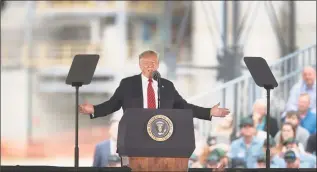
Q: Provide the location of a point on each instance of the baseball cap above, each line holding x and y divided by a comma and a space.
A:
216, 155
290, 156
289, 141
246, 121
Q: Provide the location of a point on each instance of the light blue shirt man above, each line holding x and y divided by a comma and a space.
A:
249, 153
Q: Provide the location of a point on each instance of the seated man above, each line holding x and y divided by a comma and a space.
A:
216, 158
106, 148
248, 147
307, 116
292, 160
309, 159
306, 85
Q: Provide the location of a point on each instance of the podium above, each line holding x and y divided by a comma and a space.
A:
156, 139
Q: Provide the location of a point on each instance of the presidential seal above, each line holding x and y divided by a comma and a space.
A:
160, 128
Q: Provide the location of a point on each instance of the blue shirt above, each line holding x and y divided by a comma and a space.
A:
294, 94
261, 126
277, 162
309, 160
305, 165
309, 122
250, 154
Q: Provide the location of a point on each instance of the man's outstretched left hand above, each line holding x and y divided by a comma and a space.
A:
216, 111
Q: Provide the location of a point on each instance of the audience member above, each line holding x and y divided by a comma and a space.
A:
287, 131
311, 144
308, 118
248, 147
105, 149
217, 157
304, 157
306, 85
259, 117
292, 160
301, 134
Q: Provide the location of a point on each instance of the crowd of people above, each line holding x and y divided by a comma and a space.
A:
291, 145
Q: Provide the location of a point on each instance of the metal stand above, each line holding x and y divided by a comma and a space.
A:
268, 89
76, 85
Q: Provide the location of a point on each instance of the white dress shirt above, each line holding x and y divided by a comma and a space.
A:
145, 82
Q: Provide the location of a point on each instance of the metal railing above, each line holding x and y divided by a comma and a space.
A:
239, 94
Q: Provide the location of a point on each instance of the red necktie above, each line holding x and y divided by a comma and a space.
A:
150, 96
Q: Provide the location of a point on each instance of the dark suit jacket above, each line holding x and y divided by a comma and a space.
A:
129, 95
102, 151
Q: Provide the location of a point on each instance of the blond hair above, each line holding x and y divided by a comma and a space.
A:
147, 53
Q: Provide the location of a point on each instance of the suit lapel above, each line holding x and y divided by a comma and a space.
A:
139, 91
163, 94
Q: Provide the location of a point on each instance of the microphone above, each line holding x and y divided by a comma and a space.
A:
157, 77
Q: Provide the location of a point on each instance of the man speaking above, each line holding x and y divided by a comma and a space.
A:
141, 91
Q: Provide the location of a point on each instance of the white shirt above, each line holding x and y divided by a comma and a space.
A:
145, 82
113, 147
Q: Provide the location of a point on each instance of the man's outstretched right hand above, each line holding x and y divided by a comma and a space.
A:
86, 108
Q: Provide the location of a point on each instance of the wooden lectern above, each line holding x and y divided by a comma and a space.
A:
156, 140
